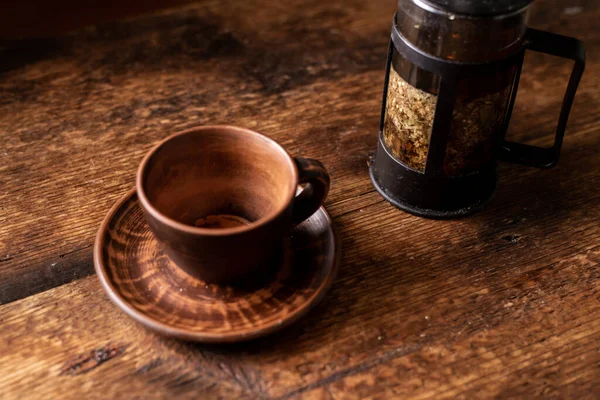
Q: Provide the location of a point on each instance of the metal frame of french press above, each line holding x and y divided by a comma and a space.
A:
434, 195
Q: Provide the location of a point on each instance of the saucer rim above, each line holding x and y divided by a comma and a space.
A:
198, 336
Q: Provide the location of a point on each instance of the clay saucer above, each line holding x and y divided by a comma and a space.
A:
150, 288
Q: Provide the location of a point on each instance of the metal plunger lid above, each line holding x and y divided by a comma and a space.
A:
460, 30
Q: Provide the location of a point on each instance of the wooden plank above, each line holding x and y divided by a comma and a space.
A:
64, 162
389, 326
56, 351
502, 304
61, 174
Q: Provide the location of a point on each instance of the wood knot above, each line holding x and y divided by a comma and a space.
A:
512, 238
83, 363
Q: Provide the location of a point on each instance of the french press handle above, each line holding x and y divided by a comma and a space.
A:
560, 46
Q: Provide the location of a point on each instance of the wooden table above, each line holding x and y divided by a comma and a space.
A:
505, 303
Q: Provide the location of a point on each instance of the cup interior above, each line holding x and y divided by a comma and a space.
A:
218, 177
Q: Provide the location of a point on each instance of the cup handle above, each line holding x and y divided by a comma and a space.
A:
312, 197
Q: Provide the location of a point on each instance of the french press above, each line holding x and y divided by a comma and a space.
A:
451, 80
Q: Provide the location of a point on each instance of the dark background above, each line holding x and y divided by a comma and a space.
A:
34, 18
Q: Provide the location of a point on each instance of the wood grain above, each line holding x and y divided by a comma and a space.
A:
78, 173
503, 304
62, 328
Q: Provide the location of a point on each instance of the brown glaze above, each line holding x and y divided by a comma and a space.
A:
148, 286
196, 175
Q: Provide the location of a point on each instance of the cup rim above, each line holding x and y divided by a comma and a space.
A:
174, 224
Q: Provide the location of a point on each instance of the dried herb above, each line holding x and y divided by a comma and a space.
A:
475, 122
409, 118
